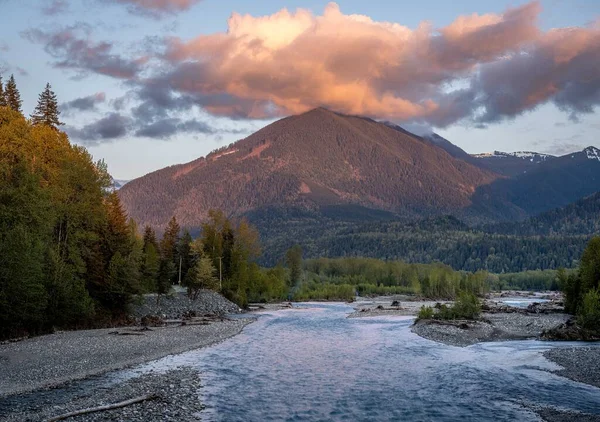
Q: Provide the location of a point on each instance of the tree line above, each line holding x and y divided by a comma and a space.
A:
343, 278
69, 255
441, 239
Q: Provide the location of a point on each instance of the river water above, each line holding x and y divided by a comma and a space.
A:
312, 363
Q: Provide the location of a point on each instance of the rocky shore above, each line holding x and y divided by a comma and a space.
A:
490, 327
54, 359
174, 396
178, 304
580, 364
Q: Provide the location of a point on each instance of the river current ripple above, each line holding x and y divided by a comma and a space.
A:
312, 363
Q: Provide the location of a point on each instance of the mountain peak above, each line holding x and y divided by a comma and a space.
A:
592, 153
317, 159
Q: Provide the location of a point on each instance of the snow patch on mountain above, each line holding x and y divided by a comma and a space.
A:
525, 155
592, 153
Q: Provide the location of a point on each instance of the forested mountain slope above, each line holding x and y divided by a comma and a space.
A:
317, 159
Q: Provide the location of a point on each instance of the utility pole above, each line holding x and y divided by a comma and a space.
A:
180, 260
220, 273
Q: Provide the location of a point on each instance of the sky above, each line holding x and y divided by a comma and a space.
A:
144, 84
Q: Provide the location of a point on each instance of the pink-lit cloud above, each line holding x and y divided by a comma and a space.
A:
288, 63
479, 68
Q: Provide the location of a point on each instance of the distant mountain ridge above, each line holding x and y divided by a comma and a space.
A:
354, 168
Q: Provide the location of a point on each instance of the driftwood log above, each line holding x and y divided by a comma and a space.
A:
105, 407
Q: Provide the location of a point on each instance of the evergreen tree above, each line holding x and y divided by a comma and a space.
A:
12, 95
2, 95
150, 237
184, 251
46, 112
293, 259
168, 244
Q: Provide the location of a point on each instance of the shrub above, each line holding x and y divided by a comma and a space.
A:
426, 312
589, 312
467, 306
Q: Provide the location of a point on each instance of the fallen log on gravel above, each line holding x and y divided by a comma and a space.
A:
105, 407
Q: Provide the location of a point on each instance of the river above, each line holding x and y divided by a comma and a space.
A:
313, 363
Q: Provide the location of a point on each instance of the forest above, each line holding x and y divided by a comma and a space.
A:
497, 249
70, 256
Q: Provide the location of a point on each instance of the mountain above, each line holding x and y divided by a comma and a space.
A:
317, 160
449, 147
579, 218
119, 183
510, 163
553, 183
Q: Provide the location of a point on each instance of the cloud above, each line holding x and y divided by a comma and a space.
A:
478, 70
168, 127
288, 63
110, 127
73, 49
88, 103
55, 7
157, 8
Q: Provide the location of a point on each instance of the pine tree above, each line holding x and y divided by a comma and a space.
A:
46, 112
2, 95
12, 95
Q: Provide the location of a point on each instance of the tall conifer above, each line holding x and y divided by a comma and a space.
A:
46, 112
2, 96
12, 95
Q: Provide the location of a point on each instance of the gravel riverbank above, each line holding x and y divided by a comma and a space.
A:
490, 327
53, 359
177, 399
580, 364
177, 304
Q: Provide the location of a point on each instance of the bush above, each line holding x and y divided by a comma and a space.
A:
467, 306
426, 312
589, 312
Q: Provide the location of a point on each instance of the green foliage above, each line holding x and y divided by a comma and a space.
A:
589, 313
201, 277
3, 102
370, 276
150, 263
46, 112
293, 259
466, 306
426, 312
444, 239
582, 289
267, 284
67, 252
526, 280
12, 95
232, 249
326, 291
